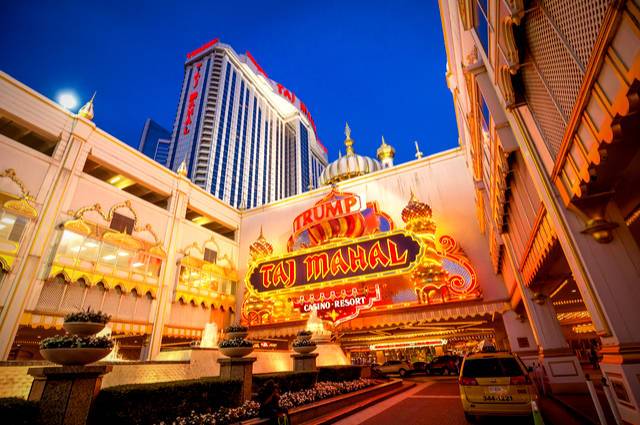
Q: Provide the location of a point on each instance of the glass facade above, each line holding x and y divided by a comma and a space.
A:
154, 141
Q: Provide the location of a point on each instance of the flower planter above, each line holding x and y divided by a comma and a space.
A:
305, 349
239, 334
305, 337
83, 328
236, 351
74, 356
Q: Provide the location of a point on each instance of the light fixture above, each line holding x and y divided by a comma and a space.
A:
115, 179
573, 291
8, 220
68, 100
123, 254
137, 264
90, 244
2, 226
109, 257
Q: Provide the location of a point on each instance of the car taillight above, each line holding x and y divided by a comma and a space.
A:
519, 380
467, 381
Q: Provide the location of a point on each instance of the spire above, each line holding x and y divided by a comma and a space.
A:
182, 169
87, 110
386, 153
348, 142
418, 153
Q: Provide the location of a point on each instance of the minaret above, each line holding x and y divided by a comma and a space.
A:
385, 154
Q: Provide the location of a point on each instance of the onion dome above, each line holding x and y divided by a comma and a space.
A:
386, 152
415, 209
349, 165
260, 248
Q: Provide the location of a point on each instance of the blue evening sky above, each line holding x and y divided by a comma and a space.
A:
378, 65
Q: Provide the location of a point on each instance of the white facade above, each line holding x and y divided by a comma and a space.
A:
243, 137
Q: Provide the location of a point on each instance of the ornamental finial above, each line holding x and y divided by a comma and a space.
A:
347, 130
383, 141
182, 169
418, 152
87, 109
348, 142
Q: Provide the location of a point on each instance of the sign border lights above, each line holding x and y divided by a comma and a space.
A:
408, 344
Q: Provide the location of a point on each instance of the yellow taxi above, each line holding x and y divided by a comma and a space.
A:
495, 383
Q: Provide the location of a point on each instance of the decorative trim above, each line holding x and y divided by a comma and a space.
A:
542, 239
23, 205
465, 7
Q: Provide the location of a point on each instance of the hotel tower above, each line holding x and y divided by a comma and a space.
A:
243, 137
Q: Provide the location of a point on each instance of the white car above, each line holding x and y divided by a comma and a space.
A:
400, 367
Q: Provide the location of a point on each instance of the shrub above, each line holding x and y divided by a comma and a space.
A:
338, 373
304, 333
321, 391
298, 342
163, 401
88, 315
18, 411
235, 342
222, 416
287, 381
75, 341
236, 328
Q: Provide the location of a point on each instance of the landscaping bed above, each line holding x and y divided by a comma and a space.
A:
319, 399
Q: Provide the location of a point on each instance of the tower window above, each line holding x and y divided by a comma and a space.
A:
210, 255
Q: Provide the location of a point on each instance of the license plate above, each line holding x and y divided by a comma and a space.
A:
498, 398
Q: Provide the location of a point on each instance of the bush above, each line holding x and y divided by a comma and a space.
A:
75, 341
338, 373
88, 315
140, 404
18, 411
287, 381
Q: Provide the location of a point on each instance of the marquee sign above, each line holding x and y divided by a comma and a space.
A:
339, 306
361, 259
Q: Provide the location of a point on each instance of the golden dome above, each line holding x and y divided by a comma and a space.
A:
385, 151
260, 248
349, 165
415, 209
87, 110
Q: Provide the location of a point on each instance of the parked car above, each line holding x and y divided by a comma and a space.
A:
419, 367
400, 367
495, 384
444, 365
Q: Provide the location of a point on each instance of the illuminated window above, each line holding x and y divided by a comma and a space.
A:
122, 223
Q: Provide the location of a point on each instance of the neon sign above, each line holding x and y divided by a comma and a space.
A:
191, 106
334, 208
341, 306
202, 48
364, 258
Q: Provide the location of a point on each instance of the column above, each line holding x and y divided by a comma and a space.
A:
304, 362
238, 368
562, 370
170, 268
68, 159
521, 338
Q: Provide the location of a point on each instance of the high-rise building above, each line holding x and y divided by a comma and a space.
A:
242, 136
155, 141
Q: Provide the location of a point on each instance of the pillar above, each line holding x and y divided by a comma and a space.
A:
563, 373
521, 339
65, 394
239, 369
304, 362
170, 269
68, 159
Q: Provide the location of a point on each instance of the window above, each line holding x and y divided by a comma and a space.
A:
210, 255
11, 226
491, 368
482, 23
122, 223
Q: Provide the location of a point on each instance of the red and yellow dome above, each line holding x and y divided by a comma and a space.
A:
260, 248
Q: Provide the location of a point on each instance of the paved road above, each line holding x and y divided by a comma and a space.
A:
434, 401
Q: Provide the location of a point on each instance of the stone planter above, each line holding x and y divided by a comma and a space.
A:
236, 352
232, 335
74, 356
83, 328
305, 349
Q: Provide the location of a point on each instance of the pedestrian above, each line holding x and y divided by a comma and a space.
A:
269, 397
